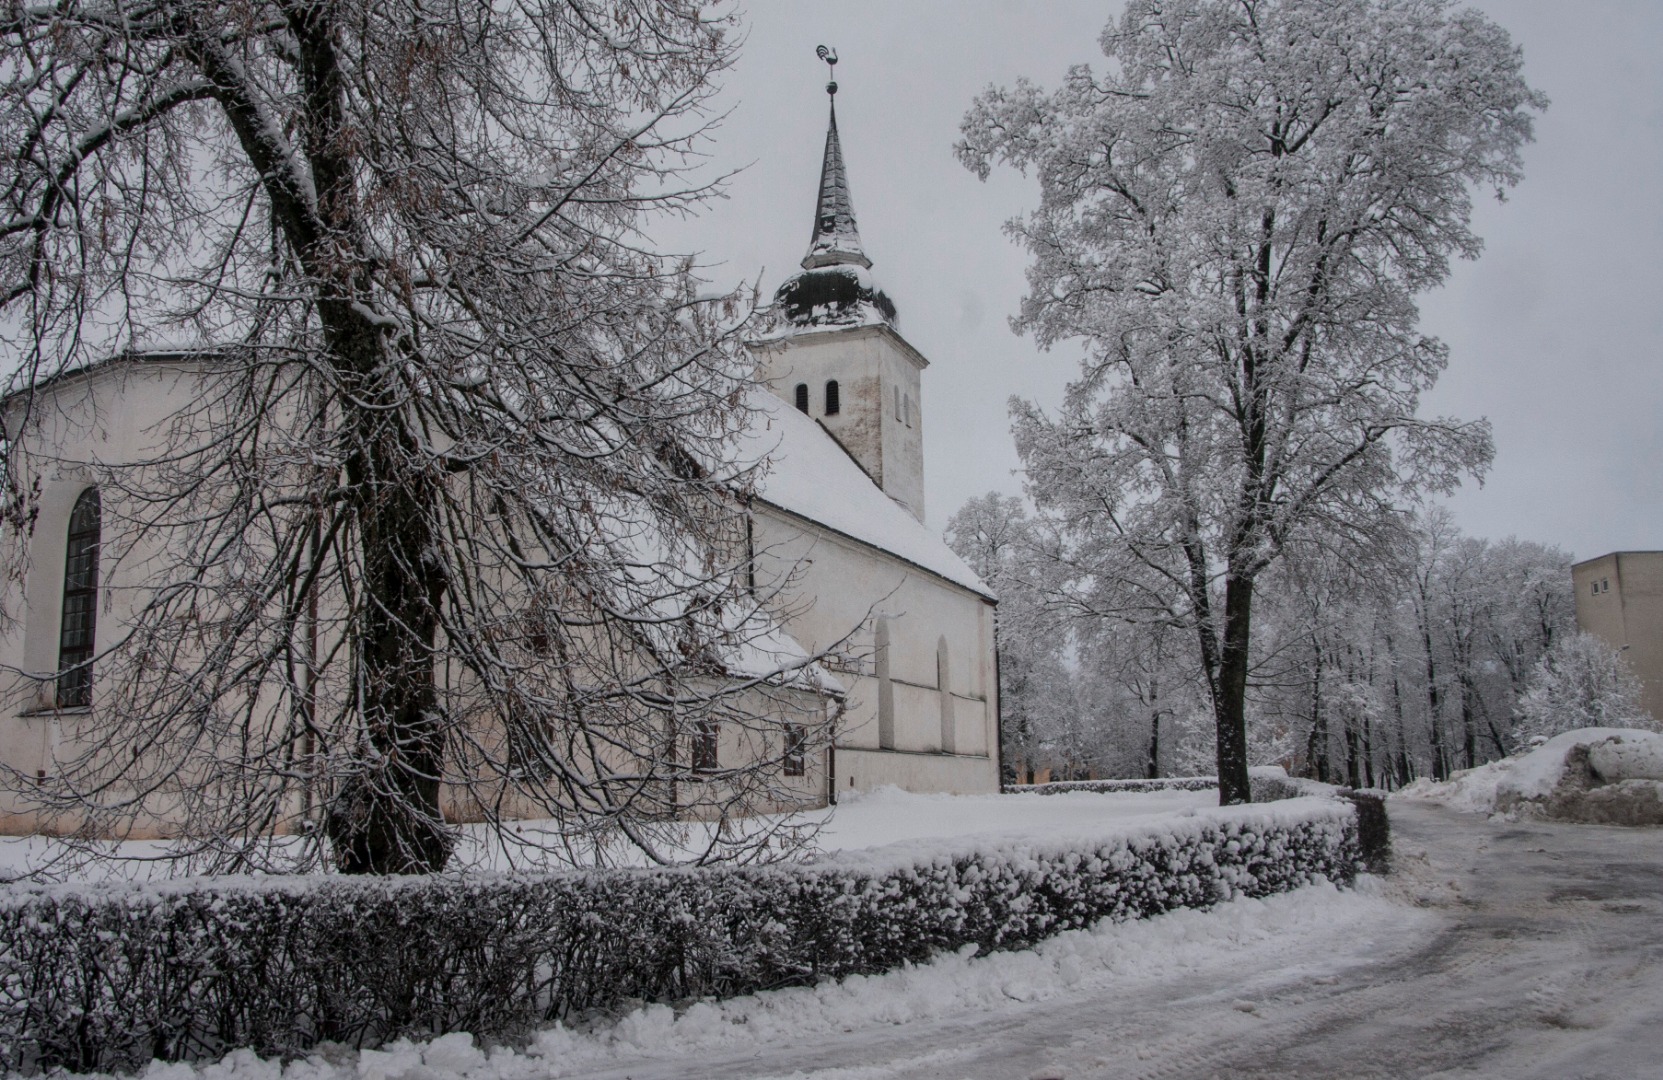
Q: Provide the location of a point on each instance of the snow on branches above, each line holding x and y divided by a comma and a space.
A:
446, 507
1235, 219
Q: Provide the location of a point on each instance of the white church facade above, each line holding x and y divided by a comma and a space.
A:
837, 526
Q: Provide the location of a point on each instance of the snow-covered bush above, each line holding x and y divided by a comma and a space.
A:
1164, 783
111, 976
1581, 682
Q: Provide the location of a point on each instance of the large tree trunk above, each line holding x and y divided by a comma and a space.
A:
1153, 768
1230, 697
1400, 769
387, 818
1316, 744
1440, 756
1469, 723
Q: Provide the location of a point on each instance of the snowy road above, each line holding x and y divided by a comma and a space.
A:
1517, 951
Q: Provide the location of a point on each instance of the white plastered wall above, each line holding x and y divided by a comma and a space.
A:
831, 589
66, 436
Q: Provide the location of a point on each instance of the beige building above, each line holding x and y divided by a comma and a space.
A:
1619, 598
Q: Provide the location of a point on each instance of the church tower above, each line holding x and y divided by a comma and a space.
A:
837, 355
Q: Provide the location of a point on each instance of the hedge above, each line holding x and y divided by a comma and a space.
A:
108, 977
1164, 783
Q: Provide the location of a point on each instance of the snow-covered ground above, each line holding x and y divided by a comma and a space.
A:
862, 820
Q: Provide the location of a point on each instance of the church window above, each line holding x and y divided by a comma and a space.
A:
796, 746
906, 409
706, 746
802, 397
834, 400
898, 415
80, 611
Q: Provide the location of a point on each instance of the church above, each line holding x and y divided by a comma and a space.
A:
837, 532
844, 500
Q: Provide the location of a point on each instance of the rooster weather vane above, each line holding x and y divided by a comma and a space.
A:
830, 57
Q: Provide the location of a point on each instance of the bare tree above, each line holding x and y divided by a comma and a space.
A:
1235, 219
451, 510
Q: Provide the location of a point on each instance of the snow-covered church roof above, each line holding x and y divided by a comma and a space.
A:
810, 475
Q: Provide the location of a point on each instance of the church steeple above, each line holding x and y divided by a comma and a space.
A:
833, 288
836, 241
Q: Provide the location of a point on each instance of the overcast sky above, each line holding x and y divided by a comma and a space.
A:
1556, 333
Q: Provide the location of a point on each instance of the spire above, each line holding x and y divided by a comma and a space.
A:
836, 241
834, 288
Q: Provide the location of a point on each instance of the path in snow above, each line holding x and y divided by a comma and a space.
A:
1518, 951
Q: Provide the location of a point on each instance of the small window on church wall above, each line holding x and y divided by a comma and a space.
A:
796, 747
906, 409
898, 415
707, 736
802, 397
76, 632
834, 400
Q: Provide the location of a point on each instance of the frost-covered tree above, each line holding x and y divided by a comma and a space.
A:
451, 508
1581, 682
1081, 693
1235, 219
1405, 664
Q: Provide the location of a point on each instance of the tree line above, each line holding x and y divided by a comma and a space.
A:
1441, 652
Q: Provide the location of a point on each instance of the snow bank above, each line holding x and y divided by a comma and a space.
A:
187, 970
1597, 775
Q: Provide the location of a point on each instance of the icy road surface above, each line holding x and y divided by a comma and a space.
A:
1496, 950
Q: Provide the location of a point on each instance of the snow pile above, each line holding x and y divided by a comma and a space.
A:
189, 969
1594, 775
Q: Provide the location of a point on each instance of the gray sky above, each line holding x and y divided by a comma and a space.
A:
1556, 332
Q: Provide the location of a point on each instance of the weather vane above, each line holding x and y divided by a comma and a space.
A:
830, 57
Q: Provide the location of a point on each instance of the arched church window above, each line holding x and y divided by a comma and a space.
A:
834, 399
80, 612
802, 397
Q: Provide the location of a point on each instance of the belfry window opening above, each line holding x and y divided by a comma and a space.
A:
802, 397
834, 399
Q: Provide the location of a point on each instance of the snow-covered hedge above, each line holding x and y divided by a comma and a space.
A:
1165, 783
109, 977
